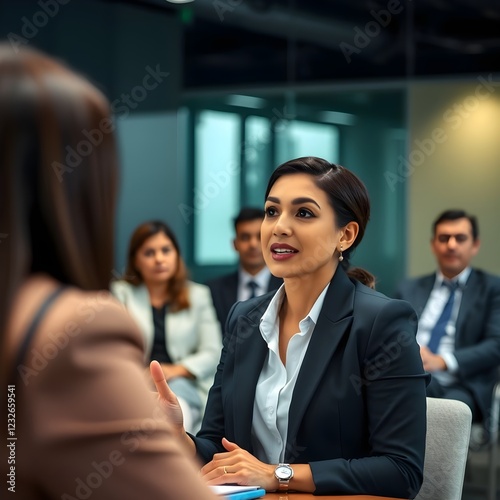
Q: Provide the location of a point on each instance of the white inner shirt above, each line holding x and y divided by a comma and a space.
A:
430, 315
276, 383
261, 279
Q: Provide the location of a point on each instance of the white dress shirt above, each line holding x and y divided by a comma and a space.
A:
430, 315
261, 279
276, 382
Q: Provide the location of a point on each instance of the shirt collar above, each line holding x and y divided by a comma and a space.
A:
261, 278
270, 317
461, 278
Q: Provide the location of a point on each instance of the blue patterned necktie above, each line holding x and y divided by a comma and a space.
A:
439, 330
253, 286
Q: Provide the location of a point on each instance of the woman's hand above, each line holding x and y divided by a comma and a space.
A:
171, 371
239, 467
167, 398
170, 404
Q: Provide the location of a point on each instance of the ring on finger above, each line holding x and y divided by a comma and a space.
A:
225, 470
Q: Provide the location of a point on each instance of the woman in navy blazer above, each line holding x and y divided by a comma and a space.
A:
320, 387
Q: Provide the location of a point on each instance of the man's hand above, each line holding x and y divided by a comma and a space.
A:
432, 362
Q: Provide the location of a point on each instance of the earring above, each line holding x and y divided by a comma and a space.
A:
341, 257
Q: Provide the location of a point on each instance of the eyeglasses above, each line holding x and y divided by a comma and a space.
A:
459, 238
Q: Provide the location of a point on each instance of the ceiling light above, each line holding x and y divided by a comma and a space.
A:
245, 101
338, 118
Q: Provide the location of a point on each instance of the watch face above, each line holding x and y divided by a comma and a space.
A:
283, 472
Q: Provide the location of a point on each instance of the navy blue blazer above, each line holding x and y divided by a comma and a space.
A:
225, 293
358, 411
477, 336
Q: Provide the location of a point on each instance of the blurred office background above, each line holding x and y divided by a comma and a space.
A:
211, 95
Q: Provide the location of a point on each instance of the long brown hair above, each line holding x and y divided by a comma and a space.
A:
177, 285
58, 176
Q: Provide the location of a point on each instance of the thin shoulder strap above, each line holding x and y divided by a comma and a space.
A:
30, 332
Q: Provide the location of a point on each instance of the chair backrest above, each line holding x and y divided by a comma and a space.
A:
447, 443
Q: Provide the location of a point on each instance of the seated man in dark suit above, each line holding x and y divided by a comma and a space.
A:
253, 278
459, 316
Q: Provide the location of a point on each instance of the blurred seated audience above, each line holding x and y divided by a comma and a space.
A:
252, 278
71, 359
175, 315
459, 316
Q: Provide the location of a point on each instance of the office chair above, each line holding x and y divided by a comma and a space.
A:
484, 438
447, 445
493, 443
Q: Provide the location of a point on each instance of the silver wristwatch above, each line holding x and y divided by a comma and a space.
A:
283, 474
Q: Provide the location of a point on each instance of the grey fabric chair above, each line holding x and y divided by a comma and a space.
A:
447, 444
484, 439
493, 443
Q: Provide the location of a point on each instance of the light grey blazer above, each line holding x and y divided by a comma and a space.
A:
193, 335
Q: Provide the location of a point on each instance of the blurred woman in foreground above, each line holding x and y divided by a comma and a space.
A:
71, 357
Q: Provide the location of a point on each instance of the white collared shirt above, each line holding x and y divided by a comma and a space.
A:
261, 279
276, 383
430, 315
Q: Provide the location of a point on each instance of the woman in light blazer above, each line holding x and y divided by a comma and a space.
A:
176, 316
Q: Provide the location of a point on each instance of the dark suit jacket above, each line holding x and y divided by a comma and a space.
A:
225, 293
477, 337
358, 412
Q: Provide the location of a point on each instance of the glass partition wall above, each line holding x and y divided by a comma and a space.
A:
239, 138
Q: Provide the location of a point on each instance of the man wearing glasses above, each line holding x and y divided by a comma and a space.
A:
458, 310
